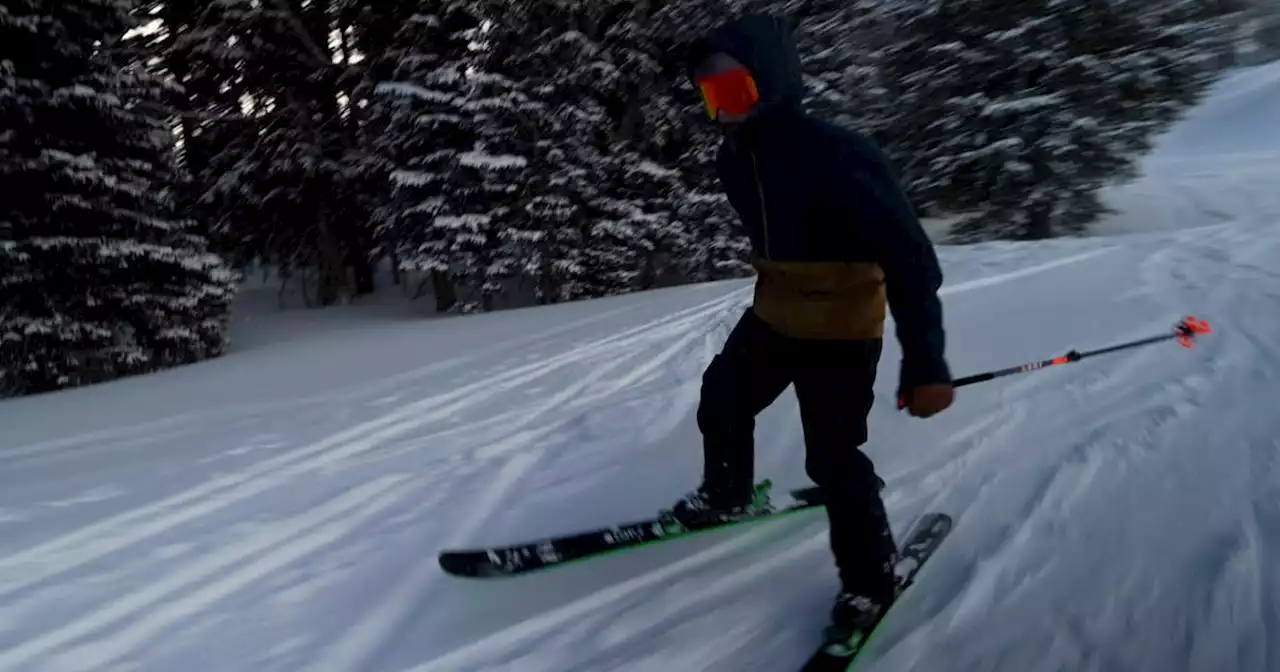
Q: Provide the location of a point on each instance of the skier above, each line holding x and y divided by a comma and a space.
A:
833, 240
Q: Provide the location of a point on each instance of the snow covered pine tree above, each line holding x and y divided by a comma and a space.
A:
451, 131
98, 276
286, 189
591, 69
1016, 113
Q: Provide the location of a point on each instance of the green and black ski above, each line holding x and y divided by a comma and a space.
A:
556, 551
839, 648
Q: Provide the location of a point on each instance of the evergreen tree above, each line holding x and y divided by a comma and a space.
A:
840, 42
552, 52
490, 184
99, 276
549, 145
432, 116
625, 125
208, 102
1015, 114
281, 168
591, 73
635, 232
539, 174
715, 246
1199, 31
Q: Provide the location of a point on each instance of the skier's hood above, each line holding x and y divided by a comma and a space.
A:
764, 44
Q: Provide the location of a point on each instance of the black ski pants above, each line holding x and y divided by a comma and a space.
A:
833, 382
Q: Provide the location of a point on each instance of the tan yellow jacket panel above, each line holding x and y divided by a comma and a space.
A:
821, 299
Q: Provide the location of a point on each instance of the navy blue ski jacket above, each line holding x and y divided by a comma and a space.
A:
833, 236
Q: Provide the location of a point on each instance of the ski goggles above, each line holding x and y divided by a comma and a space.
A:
732, 91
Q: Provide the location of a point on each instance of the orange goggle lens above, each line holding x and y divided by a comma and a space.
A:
733, 91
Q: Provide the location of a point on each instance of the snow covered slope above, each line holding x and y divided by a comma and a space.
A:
1219, 164
280, 509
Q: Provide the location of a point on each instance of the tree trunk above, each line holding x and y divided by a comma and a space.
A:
359, 259
648, 270
1039, 213
397, 278
446, 295
364, 274
1039, 224
335, 286
548, 288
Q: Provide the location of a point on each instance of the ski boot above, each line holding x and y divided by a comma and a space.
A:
853, 617
855, 613
701, 508
858, 611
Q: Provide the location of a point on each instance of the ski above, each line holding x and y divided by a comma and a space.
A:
557, 551
839, 650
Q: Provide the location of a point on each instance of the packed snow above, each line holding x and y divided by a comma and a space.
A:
281, 508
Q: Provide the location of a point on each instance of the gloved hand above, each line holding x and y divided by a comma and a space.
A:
927, 401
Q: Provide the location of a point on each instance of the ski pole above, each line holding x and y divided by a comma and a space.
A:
1184, 333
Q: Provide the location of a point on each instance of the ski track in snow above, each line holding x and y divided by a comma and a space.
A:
1133, 459
207, 567
1117, 514
26, 570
